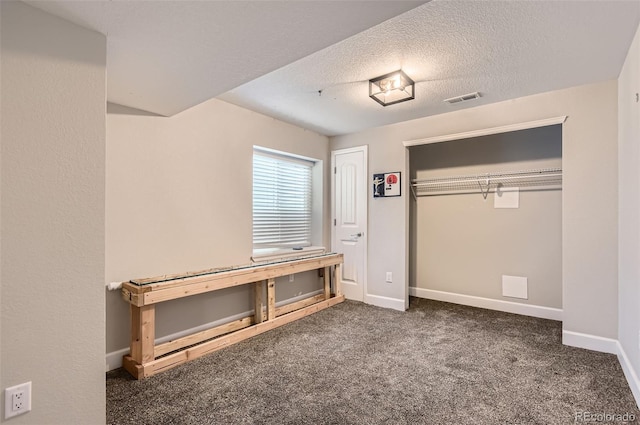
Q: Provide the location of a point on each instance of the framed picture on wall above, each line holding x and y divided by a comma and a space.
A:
386, 185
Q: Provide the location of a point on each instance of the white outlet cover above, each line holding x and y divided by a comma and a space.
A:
8, 399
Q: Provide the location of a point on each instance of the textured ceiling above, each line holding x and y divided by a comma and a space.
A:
275, 56
503, 49
166, 56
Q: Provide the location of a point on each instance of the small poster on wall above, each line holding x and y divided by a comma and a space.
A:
386, 185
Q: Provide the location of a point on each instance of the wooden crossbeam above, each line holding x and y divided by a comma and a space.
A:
179, 288
156, 366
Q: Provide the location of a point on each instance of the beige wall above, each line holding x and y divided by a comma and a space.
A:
179, 198
463, 245
52, 187
629, 207
589, 217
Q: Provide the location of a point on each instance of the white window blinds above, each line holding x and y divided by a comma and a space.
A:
282, 189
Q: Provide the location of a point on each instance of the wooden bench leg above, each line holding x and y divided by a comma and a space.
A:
338, 279
271, 299
143, 333
258, 304
327, 283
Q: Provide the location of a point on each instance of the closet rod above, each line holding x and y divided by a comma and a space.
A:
486, 182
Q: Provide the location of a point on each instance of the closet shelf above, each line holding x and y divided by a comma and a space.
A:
550, 177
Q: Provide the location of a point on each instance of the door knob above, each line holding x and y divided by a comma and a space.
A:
357, 235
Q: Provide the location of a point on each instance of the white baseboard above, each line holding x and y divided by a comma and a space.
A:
488, 303
385, 302
590, 342
114, 358
629, 373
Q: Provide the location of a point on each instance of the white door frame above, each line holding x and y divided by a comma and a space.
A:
365, 237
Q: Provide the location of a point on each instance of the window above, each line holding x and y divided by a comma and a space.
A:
282, 201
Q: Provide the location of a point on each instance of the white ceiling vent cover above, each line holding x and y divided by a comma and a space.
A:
463, 98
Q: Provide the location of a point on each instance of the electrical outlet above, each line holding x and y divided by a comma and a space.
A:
389, 277
17, 400
291, 278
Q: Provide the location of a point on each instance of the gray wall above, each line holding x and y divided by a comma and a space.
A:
462, 244
179, 198
53, 217
589, 204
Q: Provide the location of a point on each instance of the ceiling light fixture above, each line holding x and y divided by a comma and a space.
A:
391, 88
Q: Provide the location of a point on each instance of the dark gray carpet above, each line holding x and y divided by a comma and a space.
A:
437, 363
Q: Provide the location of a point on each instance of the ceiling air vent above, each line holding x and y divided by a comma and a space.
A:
463, 98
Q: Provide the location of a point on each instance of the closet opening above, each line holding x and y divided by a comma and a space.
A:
486, 221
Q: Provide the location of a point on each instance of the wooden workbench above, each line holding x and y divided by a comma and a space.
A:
148, 358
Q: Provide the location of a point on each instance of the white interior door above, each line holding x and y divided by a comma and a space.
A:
349, 236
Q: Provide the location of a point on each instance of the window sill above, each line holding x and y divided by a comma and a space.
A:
266, 255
